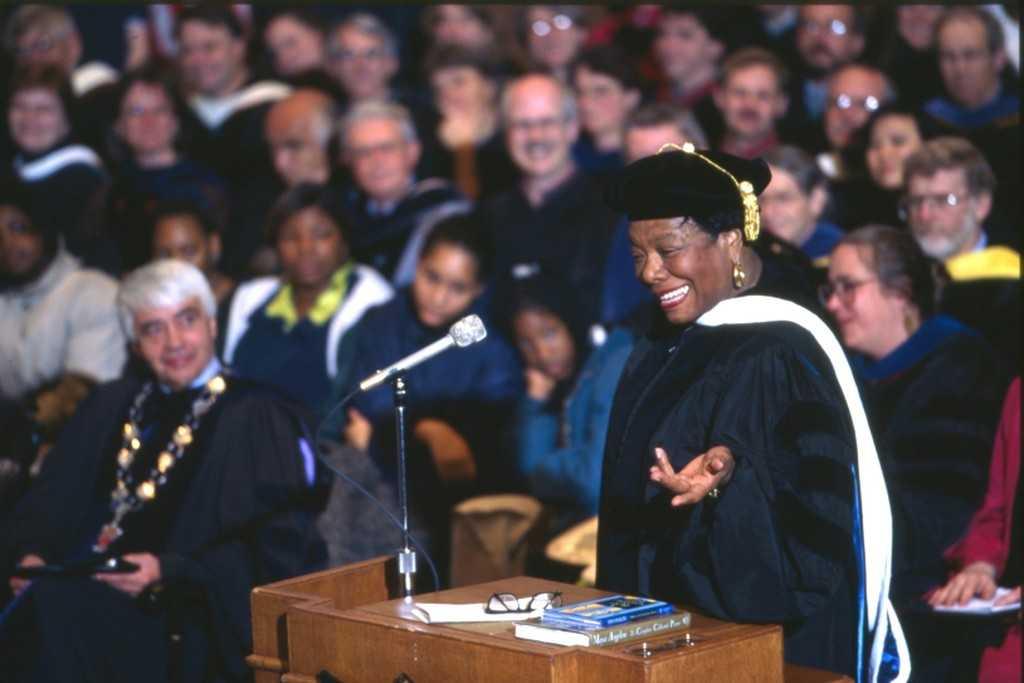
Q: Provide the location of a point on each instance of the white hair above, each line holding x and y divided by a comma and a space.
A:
375, 110
161, 284
567, 96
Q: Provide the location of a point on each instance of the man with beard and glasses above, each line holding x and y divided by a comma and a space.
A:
60, 334
947, 203
553, 219
752, 98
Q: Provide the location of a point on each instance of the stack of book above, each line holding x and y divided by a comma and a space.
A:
605, 621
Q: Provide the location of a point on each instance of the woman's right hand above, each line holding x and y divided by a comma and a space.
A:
976, 579
19, 584
538, 385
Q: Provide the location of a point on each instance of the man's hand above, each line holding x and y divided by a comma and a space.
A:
19, 584
136, 582
976, 579
702, 474
358, 430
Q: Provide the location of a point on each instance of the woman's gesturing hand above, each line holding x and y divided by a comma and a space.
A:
700, 477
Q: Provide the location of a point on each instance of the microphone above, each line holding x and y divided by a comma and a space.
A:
464, 332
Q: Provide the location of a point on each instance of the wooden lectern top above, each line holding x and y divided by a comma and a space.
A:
348, 622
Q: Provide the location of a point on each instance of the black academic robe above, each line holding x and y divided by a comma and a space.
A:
234, 514
776, 546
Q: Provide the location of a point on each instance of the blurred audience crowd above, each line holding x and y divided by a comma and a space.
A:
353, 180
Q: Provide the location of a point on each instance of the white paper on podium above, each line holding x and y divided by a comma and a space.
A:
454, 613
980, 606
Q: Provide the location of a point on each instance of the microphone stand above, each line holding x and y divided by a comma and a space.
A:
406, 556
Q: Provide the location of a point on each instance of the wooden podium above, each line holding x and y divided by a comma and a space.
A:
345, 622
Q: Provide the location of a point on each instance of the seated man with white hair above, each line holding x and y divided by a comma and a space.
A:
196, 482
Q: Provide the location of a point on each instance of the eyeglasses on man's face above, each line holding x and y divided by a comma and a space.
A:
835, 27
508, 603
869, 103
542, 28
914, 203
843, 288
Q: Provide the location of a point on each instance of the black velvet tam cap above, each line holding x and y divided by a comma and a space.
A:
716, 190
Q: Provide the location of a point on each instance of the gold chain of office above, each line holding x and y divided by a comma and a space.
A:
129, 497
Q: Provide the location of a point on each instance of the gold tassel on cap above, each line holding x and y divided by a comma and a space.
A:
751, 213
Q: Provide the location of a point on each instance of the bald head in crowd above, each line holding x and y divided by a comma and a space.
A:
298, 130
855, 92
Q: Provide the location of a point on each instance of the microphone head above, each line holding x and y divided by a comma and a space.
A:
468, 331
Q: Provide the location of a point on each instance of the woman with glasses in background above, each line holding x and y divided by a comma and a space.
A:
932, 391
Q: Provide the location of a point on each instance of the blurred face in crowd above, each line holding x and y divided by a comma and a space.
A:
687, 269
294, 46
916, 23
683, 47
545, 343
382, 158
538, 132
462, 90
361, 63
177, 342
310, 248
445, 284
147, 122
826, 36
37, 119
212, 60
21, 246
854, 93
893, 138
604, 103
751, 102
457, 25
944, 216
871, 318
969, 69
787, 211
297, 133
644, 141
60, 46
180, 236
553, 39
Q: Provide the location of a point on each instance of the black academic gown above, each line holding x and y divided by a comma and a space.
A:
233, 515
776, 545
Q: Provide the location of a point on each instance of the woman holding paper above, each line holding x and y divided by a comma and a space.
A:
992, 549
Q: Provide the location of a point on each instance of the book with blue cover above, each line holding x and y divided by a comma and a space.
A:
563, 633
606, 611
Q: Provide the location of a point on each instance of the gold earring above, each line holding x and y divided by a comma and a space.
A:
739, 276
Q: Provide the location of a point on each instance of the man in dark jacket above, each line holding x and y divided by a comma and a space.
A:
197, 480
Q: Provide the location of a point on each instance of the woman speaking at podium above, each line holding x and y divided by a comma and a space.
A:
737, 441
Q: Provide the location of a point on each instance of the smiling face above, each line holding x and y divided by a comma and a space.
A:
545, 343
177, 342
538, 134
893, 139
871, 318
687, 269
311, 248
751, 101
445, 284
37, 119
212, 60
